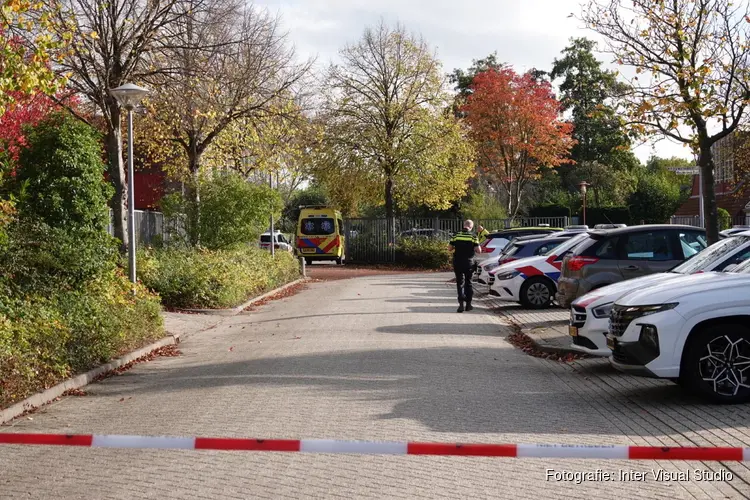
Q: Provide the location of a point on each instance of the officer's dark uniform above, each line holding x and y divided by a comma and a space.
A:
464, 244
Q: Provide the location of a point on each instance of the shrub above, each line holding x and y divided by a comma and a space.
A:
232, 211
482, 206
725, 220
60, 175
426, 253
210, 279
44, 339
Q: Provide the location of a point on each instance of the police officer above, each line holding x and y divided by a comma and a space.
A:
464, 245
482, 233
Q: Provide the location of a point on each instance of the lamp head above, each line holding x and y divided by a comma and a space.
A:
128, 95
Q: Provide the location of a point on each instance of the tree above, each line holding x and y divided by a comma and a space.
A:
234, 211
691, 63
602, 145
385, 115
27, 51
655, 199
111, 44
462, 80
60, 175
516, 125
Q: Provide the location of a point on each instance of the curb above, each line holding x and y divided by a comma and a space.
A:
539, 344
237, 310
40, 399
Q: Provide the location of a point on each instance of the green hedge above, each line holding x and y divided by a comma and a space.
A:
213, 279
608, 215
550, 211
425, 253
46, 338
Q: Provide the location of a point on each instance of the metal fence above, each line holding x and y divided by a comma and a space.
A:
694, 220
149, 227
375, 240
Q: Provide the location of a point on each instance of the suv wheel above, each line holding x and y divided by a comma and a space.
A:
716, 363
537, 293
308, 261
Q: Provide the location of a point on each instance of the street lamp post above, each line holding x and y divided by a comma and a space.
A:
583, 185
128, 96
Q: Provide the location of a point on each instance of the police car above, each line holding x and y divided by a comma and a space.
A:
532, 281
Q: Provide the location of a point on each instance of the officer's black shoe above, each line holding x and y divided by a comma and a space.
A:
460, 308
469, 307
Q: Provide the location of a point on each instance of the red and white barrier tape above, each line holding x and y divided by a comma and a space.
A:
384, 448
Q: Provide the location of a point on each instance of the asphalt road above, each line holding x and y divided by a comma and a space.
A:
371, 358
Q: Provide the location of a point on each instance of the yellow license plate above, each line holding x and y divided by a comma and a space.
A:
573, 331
307, 250
611, 343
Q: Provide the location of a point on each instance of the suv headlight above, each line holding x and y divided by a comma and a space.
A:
641, 311
490, 267
507, 276
603, 310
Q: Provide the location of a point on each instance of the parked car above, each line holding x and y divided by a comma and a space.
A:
532, 281
518, 248
280, 242
614, 255
694, 330
734, 230
589, 314
497, 241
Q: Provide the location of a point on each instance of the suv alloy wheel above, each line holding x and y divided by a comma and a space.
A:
716, 363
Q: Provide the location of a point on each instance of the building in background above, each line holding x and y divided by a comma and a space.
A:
731, 195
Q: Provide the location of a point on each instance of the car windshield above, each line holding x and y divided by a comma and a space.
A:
568, 245
717, 251
743, 268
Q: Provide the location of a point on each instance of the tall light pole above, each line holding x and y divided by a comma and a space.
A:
129, 96
583, 185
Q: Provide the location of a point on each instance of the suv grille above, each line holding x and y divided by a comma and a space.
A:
619, 320
622, 357
577, 316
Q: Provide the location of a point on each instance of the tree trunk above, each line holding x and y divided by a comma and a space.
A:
194, 157
116, 171
710, 212
389, 212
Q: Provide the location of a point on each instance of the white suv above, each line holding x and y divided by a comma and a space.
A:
589, 314
694, 330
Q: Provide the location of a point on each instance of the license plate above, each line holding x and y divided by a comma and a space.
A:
307, 250
573, 331
611, 343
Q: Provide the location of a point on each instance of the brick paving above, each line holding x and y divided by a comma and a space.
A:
376, 358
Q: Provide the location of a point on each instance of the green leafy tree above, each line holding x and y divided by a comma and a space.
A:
655, 199
482, 206
233, 211
386, 120
691, 63
602, 148
60, 175
462, 80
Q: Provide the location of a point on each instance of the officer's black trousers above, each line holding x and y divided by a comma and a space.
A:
463, 284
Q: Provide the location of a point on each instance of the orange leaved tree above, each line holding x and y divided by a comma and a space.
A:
515, 121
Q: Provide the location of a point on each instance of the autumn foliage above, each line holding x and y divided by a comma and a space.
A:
515, 122
23, 110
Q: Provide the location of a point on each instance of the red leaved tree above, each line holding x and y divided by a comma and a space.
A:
23, 110
515, 122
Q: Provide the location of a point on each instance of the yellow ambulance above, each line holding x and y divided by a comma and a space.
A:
320, 234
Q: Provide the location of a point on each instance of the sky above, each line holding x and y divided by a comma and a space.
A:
524, 33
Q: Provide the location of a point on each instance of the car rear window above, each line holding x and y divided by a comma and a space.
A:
265, 238
569, 245
317, 226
